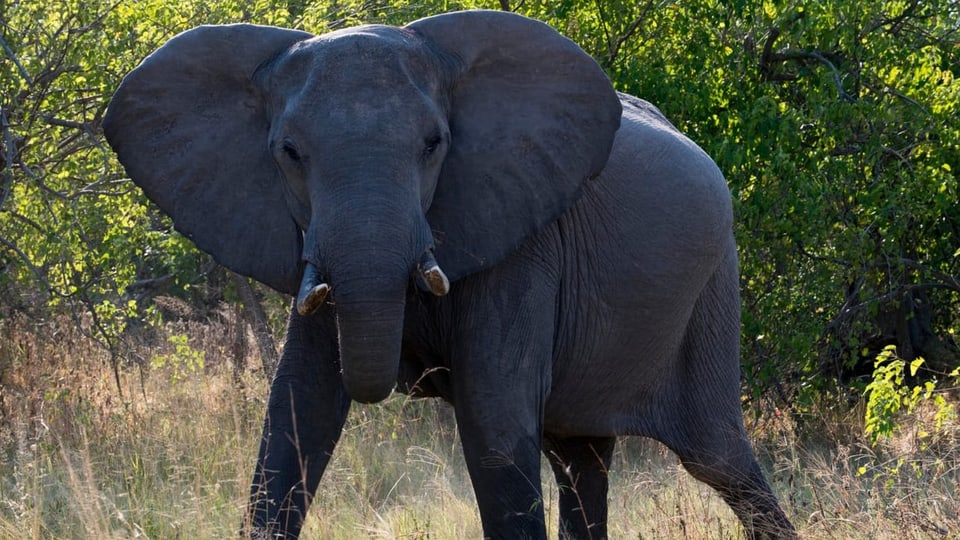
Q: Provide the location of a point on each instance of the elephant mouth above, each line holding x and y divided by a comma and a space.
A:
427, 274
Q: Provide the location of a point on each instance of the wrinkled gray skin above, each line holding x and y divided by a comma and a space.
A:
593, 283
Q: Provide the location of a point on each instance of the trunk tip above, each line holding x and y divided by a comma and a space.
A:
368, 393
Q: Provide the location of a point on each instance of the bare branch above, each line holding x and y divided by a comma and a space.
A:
101, 187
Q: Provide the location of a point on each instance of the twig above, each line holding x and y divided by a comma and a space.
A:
27, 221
809, 55
105, 340
151, 283
53, 121
803, 251
768, 58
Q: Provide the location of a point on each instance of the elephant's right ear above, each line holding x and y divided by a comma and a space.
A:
190, 127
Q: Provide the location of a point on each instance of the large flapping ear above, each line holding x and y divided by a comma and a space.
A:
532, 117
191, 129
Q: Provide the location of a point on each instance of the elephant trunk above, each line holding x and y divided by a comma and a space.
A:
369, 294
368, 248
370, 336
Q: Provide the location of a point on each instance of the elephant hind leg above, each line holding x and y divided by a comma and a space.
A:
580, 465
737, 477
704, 423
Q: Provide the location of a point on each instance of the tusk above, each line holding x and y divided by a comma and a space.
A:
313, 291
434, 280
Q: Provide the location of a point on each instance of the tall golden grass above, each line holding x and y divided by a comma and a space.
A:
169, 454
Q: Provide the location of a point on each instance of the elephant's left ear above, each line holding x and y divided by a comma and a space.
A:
532, 116
190, 126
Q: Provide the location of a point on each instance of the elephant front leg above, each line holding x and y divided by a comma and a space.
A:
308, 406
505, 471
501, 380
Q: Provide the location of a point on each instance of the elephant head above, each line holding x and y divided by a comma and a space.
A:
352, 160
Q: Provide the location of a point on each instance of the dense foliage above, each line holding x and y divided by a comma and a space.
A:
837, 124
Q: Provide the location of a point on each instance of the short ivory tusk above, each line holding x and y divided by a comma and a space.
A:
434, 278
313, 291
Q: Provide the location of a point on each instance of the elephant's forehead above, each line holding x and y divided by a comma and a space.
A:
370, 52
366, 73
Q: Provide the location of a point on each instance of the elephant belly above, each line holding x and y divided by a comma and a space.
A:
422, 374
618, 374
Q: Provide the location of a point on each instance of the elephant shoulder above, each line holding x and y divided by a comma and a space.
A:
655, 167
649, 148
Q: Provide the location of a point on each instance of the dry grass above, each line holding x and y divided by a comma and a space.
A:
172, 457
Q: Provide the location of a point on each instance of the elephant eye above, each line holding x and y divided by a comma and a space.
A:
431, 145
291, 151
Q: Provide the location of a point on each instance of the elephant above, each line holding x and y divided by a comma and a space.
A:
463, 207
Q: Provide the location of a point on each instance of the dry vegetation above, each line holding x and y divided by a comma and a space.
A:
170, 457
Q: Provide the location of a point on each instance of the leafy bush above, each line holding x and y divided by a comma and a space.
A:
887, 395
184, 361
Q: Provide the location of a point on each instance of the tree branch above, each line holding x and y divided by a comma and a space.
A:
799, 56
946, 280
911, 101
26, 260
16, 61
895, 23
812, 256
604, 25
614, 48
53, 121
8, 157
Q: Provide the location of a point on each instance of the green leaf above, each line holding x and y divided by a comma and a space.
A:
915, 365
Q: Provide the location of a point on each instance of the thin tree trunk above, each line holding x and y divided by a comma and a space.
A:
254, 314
